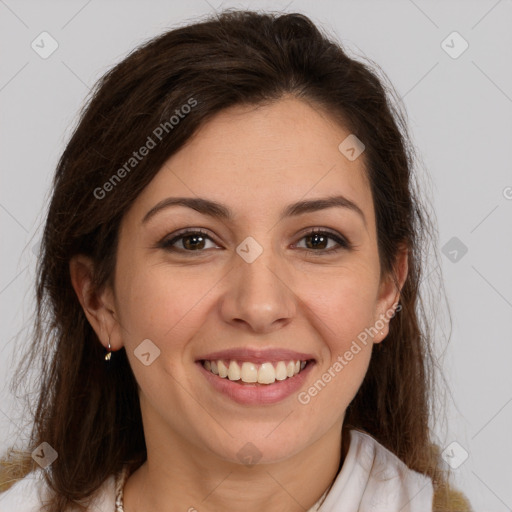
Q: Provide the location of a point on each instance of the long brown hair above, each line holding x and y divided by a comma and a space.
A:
88, 411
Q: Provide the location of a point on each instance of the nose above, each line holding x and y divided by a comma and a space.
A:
258, 296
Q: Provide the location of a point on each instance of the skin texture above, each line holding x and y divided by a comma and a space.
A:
256, 161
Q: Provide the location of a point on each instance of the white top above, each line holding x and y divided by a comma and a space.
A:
371, 479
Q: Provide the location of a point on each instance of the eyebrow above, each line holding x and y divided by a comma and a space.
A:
220, 211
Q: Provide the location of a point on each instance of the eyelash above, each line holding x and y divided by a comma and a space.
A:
342, 242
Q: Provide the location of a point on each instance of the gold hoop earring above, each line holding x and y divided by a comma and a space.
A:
108, 355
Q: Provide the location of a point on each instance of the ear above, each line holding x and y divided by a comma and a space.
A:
389, 294
99, 307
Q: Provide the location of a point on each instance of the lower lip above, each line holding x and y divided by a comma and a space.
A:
257, 394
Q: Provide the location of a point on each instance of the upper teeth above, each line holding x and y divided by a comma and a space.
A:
265, 373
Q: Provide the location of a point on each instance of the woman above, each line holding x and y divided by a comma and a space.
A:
228, 288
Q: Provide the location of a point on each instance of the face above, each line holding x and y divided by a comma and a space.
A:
254, 283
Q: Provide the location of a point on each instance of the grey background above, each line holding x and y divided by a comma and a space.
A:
460, 116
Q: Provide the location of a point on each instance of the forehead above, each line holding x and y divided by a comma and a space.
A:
259, 158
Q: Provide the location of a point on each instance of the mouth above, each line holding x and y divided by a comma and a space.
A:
248, 372
255, 377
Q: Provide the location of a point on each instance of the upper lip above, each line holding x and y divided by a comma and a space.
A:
257, 356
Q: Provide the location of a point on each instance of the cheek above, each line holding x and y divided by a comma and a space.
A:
155, 303
341, 310
341, 305
159, 306
345, 354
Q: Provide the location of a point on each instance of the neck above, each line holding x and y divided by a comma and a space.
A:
182, 477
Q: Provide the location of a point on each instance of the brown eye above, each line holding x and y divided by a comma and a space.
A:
188, 241
324, 241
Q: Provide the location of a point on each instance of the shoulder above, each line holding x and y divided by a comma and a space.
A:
442, 499
30, 493
383, 465
374, 479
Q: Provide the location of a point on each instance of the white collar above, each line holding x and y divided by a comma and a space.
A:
372, 479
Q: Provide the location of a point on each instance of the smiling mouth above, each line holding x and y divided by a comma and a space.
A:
246, 372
